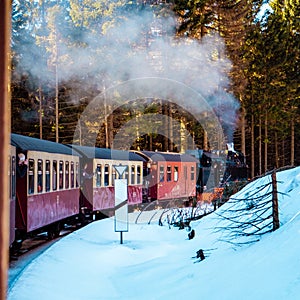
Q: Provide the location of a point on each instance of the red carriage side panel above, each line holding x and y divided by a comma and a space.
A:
12, 221
135, 194
86, 195
153, 182
47, 208
104, 198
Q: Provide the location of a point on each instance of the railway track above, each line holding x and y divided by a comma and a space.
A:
31, 249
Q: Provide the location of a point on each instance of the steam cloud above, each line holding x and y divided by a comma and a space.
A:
126, 52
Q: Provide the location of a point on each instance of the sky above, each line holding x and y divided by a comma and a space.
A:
157, 262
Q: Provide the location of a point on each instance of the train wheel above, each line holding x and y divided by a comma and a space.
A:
50, 234
15, 248
54, 231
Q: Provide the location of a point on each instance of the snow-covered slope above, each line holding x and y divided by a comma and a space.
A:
156, 262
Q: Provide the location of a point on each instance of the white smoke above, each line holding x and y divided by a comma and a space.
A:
138, 47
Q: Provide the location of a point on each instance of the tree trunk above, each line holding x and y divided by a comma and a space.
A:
171, 137
56, 104
259, 147
266, 144
56, 90
275, 202
205, 140
182, 136
276, 150
243, 130
283, 153
292, 141
252, 147
41, 111
165, 127
111, 131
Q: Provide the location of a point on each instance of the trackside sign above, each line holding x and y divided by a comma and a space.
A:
121, 204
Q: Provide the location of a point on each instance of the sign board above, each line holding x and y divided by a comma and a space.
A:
121, 205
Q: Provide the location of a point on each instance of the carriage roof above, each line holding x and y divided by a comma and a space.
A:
167, 156
25, 143
106, 153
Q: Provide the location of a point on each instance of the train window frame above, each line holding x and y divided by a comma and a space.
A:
176, 173
192, 173
31, 177
169, 173
114, 175
106, 175
54, 175
72, 175
67, 174
138, 174
40, 182
161, 173
132, 175
77, 174
126, 174
61, 175
13, 176
98, 175
47, 175
10, 176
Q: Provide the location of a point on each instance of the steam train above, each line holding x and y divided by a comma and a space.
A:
54, 184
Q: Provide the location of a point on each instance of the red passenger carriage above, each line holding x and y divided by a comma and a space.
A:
47, 189
98, 175
169, 176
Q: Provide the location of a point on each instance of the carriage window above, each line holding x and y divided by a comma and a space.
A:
139, 178
13, 177
114, 176
47, 175
192, 173
106, 175
31, 176
61, 174
54, 175
40, 176
161, 173
125, 175
67, 174
98, 175
169, 173
77, 173
10, 176
72, 175
133, 174
176, 173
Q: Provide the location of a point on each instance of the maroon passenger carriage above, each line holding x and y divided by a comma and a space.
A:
169, 176
12, 193
97, 198
47, 189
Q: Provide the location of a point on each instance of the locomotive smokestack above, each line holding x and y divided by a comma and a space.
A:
230, 147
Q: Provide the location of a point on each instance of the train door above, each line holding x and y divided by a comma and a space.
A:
12, 193
185, 177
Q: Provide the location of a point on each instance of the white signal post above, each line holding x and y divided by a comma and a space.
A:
121, 204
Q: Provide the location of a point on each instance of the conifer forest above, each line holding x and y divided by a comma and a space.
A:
165, 75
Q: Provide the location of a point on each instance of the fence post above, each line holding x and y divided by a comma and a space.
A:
275, 212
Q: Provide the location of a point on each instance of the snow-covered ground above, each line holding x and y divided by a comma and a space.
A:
156, 262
